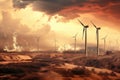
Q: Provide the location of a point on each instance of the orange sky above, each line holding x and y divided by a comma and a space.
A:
62, 23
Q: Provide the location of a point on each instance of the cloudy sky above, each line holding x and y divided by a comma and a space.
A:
45, 22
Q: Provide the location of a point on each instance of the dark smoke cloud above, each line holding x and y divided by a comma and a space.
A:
72, 7
50, 7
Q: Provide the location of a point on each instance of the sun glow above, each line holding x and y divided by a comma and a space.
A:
32, 19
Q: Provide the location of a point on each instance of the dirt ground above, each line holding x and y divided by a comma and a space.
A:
58, 66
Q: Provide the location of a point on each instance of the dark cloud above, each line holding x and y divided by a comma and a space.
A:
72, 8
50, 7
108, 7
20, 3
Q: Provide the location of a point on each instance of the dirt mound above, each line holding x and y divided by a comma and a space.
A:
14, 57
109, 62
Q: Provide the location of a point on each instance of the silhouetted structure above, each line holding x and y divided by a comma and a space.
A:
75, 36
104, 38
85, 31
97, 35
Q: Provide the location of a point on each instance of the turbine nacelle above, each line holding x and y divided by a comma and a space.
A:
86, 26
98, 28
104, 37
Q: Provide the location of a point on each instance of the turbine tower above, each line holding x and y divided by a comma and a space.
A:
75, 36
38, 42
55, 44
97, 35
117, 44
64, 46
104, 38
84, 32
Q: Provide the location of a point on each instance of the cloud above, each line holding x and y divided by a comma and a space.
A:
9, 26
26, 38
50, 7
72, 7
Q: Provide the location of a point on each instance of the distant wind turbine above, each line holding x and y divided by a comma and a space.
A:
104, 38
75, 36
55, 44
38, 42
64, 46
84, 31
97, 35
117, 44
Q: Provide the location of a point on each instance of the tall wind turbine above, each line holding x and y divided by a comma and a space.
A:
104, 38
75, 36
97, 35
84, 32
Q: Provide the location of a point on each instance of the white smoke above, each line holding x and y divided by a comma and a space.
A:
15, 45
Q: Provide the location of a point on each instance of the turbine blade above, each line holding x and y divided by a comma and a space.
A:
94, 25
83, 33
96, 33
81, 23
76, 34
106, 36
73, 36
102, 38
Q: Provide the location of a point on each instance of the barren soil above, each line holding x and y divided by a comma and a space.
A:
59, 66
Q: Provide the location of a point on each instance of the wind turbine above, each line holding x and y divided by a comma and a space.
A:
64, 46
104, 38
84, 31
117, 44
38, 42
55, 44
75, 36
97, 35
